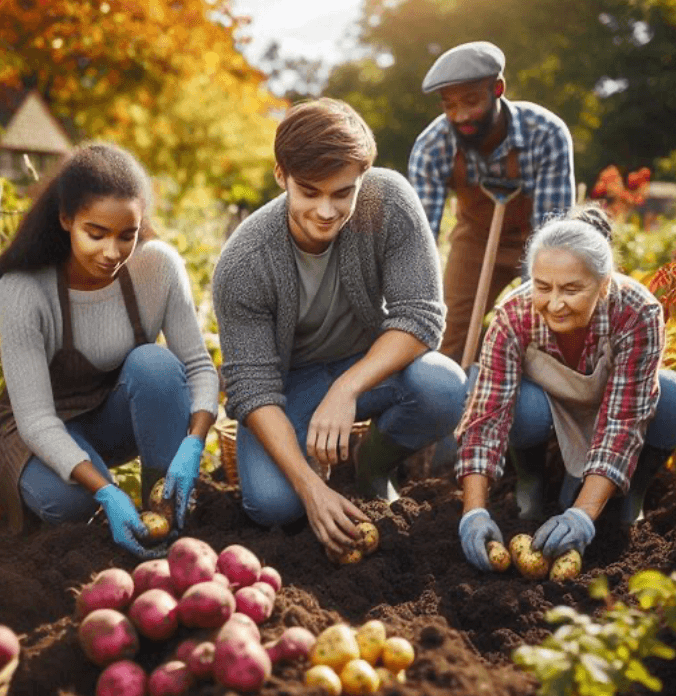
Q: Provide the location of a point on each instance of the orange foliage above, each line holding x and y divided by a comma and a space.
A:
620, 198
162, 77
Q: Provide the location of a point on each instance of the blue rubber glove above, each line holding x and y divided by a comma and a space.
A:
182, 474
125, 523
574, 529
476, 530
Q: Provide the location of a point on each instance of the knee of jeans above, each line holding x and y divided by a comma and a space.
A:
151, 364
272, 506
75, 505
532, 423
661, 431
440, 385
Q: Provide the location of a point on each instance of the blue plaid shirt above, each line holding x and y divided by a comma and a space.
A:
545, 161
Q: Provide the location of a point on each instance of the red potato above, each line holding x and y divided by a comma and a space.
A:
9, 645
112, 588
271, 576
190, 561
254, 603
243, 665
206, 605
107, 635
122, 678
184, 648
152, 575
296, 642
170, 679
240, 565
266, 589
219, 577
239, 623
201, 659
155, 614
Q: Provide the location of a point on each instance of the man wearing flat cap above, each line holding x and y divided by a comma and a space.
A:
481, 136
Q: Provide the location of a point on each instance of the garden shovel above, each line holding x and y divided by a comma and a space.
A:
500, 191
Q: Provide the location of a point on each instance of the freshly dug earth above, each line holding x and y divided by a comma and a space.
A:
462, 623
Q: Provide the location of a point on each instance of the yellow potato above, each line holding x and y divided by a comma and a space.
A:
566, 567
335, 647
368, 539
371, 639
158, 504
498, 556
325, 678
359, 678
531, 564
158, 525
346, 557
397, 654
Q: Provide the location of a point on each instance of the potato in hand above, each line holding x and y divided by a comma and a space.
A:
498, 556
531, 564
159, 505
566, 566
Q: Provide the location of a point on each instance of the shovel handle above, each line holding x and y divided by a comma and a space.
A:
479, 307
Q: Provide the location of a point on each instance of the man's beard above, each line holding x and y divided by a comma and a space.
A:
482, 125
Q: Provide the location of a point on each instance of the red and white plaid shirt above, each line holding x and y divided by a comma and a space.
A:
631, 318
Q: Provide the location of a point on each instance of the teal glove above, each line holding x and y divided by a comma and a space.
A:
476, 530
125, 523
182, 474
574, 529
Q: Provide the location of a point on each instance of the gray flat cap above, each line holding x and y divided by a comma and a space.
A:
464, 63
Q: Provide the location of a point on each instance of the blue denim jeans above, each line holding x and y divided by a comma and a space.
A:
533, 418
415, 407
146, 414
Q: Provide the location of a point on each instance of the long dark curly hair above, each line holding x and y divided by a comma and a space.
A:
93, 171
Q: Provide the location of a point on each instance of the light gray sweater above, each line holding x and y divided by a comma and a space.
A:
31, 333
389, 267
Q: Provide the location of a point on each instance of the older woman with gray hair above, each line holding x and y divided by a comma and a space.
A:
575, 351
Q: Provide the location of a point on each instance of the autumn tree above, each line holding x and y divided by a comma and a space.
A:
163, 78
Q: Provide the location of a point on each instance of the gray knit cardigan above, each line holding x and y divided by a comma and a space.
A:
389, 267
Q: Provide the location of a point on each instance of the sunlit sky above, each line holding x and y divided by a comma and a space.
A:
309, 28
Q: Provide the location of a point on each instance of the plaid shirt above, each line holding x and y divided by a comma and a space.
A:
631, 318
545, 161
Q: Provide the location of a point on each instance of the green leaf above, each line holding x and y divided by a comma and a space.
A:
637, 672
598, 588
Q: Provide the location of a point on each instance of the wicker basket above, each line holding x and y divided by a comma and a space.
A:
227, 436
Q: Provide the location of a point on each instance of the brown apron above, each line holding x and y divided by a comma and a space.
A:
575, 400
77, 387
468, 243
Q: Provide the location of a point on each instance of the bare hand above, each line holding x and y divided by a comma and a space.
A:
328, 435
331, 516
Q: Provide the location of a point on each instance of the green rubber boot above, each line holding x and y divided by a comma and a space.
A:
376, 457
650, 461
529, 464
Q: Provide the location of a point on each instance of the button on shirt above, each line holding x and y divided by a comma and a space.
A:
631, 318
545, 152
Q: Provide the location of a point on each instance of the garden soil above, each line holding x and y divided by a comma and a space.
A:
463, 624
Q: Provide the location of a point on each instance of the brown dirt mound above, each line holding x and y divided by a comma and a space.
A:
463, 624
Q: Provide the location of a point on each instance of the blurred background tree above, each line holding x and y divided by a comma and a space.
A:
163, 78
607, 67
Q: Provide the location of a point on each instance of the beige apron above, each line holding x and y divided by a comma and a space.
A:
575, 400
77, 387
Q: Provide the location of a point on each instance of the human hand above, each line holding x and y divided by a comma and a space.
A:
182, 474
328, 434
125, 523
476, 529
573, 529
331, 516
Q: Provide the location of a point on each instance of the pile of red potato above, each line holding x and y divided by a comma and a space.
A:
224, 597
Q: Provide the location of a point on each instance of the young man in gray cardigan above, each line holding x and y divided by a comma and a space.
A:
329, 307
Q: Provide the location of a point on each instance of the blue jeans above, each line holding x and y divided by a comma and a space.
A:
146, 414
533, 418
415, 407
